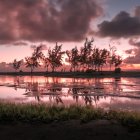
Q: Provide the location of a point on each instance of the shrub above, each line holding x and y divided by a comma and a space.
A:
117, 70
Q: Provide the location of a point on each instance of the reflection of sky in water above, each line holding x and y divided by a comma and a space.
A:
109, 93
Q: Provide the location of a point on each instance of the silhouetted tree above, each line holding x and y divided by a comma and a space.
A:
118, 61
32, 63
55, 57
17, 64
85, 53
102, 58
73, 56
87, 57
96, 58
46, 63
38, 54
34, 60
112, 56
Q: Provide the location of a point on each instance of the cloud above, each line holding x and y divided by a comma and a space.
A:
130, 51
20, 43
137, 11
43, 47
49, 20
122, 25
134, 57
134, 53
134, 42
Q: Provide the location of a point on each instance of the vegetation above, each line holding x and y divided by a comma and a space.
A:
17, 64
73, 58
85, 58
44, 113
33, 61
55, 57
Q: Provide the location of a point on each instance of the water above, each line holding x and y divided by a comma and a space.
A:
107, 93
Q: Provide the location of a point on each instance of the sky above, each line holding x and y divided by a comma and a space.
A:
31, 22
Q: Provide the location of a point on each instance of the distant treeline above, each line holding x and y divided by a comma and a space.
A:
87, 58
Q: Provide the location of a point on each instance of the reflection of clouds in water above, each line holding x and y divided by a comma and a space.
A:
121, 104
69, 91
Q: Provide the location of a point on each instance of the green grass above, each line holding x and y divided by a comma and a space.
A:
10, 112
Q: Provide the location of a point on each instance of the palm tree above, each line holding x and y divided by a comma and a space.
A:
55, 57
46, 63
112, 56
73, 56
37, 56
99, 58
103, 58
118, 61
17, 64
85, 53
31, 62
96, 58
38, 53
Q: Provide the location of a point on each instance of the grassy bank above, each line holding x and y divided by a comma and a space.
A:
42, 113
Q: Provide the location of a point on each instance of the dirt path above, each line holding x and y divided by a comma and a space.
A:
69, 130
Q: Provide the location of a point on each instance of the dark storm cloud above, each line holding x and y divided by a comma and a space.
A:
50, 20
122, 25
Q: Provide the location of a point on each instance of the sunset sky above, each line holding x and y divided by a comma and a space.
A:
27, 22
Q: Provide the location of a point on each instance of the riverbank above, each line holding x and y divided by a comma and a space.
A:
34, 112
40, 121
77, 74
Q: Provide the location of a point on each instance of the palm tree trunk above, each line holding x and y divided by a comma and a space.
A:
53, 69
31, 69
110, 67
74, 68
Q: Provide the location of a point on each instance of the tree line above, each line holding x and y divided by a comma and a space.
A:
87, 58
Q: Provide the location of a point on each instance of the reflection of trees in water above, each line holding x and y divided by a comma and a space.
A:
37, 90
88, 100
75, 94
55, 93
109, 86
55, 98
33, 89
117, 86
84, 93
52, 88
18, 81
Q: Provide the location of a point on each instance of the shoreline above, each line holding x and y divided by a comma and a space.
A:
104, 74
43, 113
